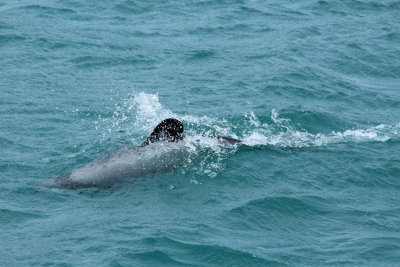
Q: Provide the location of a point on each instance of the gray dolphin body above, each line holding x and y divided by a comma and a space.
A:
126, 163
161, 151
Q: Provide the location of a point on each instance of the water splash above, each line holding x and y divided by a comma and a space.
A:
139, 113
282, 134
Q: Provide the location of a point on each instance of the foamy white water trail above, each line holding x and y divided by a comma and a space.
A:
291, 137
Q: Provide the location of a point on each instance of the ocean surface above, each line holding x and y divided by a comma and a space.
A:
312, 88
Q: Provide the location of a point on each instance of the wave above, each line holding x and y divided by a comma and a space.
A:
13, 216
158, 249
49, 10
97, 61
7, 38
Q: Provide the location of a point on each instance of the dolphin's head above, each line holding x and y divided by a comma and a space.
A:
168, 130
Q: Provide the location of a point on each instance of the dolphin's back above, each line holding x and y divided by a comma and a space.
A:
126, 163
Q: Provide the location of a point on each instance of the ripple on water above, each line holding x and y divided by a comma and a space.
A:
193, 252
90, 62
10, 218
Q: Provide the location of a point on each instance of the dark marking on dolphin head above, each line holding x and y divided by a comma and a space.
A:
168, 130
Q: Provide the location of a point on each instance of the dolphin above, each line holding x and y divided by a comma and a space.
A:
161, 151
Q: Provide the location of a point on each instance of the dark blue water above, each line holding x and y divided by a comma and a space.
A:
311, 87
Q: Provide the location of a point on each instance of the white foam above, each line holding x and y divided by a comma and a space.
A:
294, 138
274, 117
255, 138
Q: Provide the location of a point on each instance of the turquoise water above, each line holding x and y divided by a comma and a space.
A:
311, 87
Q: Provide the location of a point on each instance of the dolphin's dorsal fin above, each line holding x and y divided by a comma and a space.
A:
168, 130
228, 140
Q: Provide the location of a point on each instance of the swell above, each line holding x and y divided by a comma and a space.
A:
6, 39
349, 7
173, 251
129, 7
85, 62
264, 214
328, 219
47, 9
11, 217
